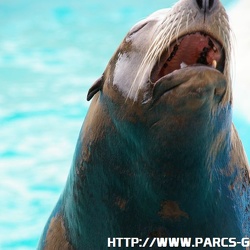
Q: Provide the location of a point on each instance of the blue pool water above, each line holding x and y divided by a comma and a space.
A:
51, 51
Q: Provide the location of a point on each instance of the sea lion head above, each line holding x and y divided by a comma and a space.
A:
175, 48
168, 85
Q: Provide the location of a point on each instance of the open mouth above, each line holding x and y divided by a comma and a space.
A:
192, 49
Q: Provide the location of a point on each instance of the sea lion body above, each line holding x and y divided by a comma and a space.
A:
158, 155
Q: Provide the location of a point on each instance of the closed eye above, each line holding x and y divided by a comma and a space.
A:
137, 27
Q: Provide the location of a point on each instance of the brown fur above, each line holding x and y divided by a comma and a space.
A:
56, 236
171, 210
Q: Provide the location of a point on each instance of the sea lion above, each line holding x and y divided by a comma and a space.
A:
158, 155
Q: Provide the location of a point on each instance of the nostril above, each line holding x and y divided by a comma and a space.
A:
210, 4
200, 4
205, 5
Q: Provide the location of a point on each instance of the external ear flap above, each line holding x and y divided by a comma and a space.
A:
97, 86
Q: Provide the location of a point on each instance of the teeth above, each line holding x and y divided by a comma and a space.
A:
183, 65
214, 49
214, 64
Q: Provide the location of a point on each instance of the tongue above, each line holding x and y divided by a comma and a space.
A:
192, 49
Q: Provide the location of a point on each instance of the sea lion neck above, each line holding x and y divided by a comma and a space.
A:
158, 163
156, 141
180, 138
